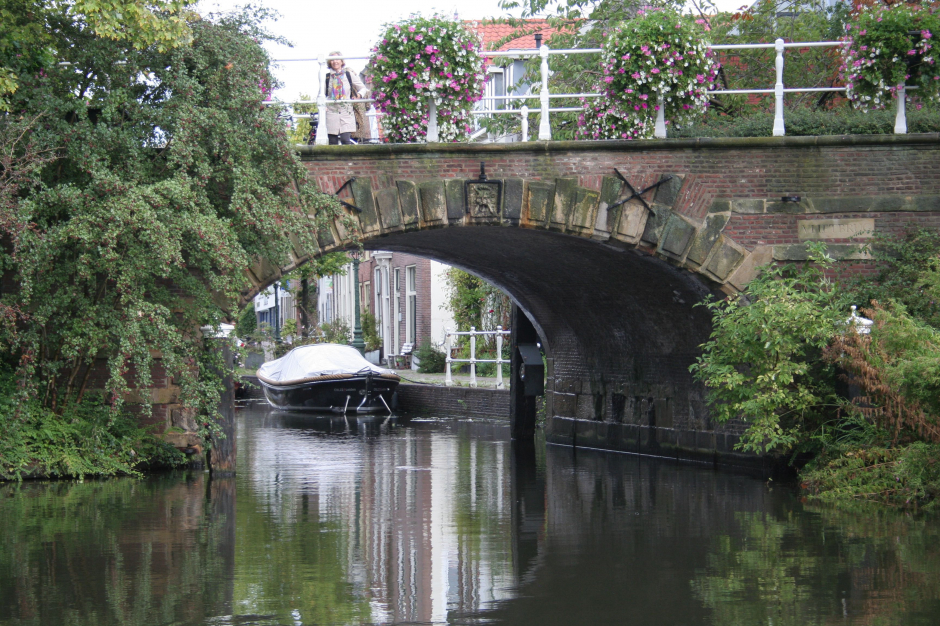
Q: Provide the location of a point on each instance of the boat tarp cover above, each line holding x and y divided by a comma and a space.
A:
322, 359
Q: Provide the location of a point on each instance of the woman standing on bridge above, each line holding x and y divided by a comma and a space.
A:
342, 84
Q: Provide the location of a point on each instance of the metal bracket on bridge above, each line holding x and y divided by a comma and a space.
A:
343, 202
637, 194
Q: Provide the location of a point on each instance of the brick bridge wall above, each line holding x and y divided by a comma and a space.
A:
611, 290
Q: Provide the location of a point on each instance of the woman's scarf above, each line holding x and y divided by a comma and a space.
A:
337, 86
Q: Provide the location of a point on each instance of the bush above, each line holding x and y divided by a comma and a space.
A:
336, 332
907, 476
762, 363
370, 331
431, 360
247, 322
808, 122
87, 439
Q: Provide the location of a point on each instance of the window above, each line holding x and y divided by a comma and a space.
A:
366, 301
411, 304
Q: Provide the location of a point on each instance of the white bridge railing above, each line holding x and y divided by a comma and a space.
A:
473, 333
544, 97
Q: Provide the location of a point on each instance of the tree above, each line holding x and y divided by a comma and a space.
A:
169, 178
28, 43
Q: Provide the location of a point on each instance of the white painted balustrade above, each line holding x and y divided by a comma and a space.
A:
544, 97
473, 333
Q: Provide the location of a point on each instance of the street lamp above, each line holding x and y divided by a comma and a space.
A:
357, 341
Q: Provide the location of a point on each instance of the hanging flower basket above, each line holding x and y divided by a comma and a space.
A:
424, 60
887, 48
657, 53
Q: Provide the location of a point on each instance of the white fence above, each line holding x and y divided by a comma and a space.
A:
544, 97
473, 334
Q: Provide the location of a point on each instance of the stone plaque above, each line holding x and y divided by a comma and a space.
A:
815, 230
483, 199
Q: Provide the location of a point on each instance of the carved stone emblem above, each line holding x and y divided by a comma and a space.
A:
482, 199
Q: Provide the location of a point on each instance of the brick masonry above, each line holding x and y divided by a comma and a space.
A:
402, 261
434, 401
611, 286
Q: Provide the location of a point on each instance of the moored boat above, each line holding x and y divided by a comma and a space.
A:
327, 377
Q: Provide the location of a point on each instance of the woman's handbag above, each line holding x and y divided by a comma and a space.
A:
363, 132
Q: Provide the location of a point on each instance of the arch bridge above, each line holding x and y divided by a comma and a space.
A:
606, 248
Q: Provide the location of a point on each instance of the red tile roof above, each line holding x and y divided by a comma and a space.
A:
492, 33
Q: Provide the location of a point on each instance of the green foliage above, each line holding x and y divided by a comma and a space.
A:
431, 360
475, 302
289, 329
875, 63
755, 69
905, 476
336, 332
247, 322
423, 60
908, 271
169, 178
29, 45
370, 331
88, 439
658, 53
762, 362
808, 122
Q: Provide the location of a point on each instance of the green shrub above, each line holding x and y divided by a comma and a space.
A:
431, 360
906, 476
247, 322
87, 439
370, 331
762, 363
336, 332
809, 122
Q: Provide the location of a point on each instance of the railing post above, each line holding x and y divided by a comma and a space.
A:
322, 138
545, 129
525, 123
659, 131
779, 130
433, 133
473, 356
499, 357
373, 123
448, 380
900, 121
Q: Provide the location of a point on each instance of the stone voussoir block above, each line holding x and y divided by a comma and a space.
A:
539, 202
725, 257
365, 201
389, 206
706, 237
408, 200
677, 235
433, 201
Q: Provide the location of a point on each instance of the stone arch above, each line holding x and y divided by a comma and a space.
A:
608, 277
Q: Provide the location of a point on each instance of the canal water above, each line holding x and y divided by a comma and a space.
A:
424, 521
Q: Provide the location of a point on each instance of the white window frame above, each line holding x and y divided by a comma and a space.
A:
411, 304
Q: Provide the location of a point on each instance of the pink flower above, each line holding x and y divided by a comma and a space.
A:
411, 29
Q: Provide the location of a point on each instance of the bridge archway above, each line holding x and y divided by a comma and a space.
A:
608, 278
608, 245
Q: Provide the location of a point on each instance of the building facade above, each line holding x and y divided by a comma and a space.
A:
406, 294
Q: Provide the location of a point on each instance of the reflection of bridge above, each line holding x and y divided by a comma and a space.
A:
610, 286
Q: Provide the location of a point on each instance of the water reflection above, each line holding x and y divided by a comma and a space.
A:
369, 520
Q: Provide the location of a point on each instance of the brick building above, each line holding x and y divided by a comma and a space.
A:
405, 293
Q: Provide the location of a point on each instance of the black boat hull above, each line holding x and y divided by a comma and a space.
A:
357, 394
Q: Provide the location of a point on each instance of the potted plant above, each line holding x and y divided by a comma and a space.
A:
657, 59
889, 48
423, 61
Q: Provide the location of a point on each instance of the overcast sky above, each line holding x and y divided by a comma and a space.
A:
351, 26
